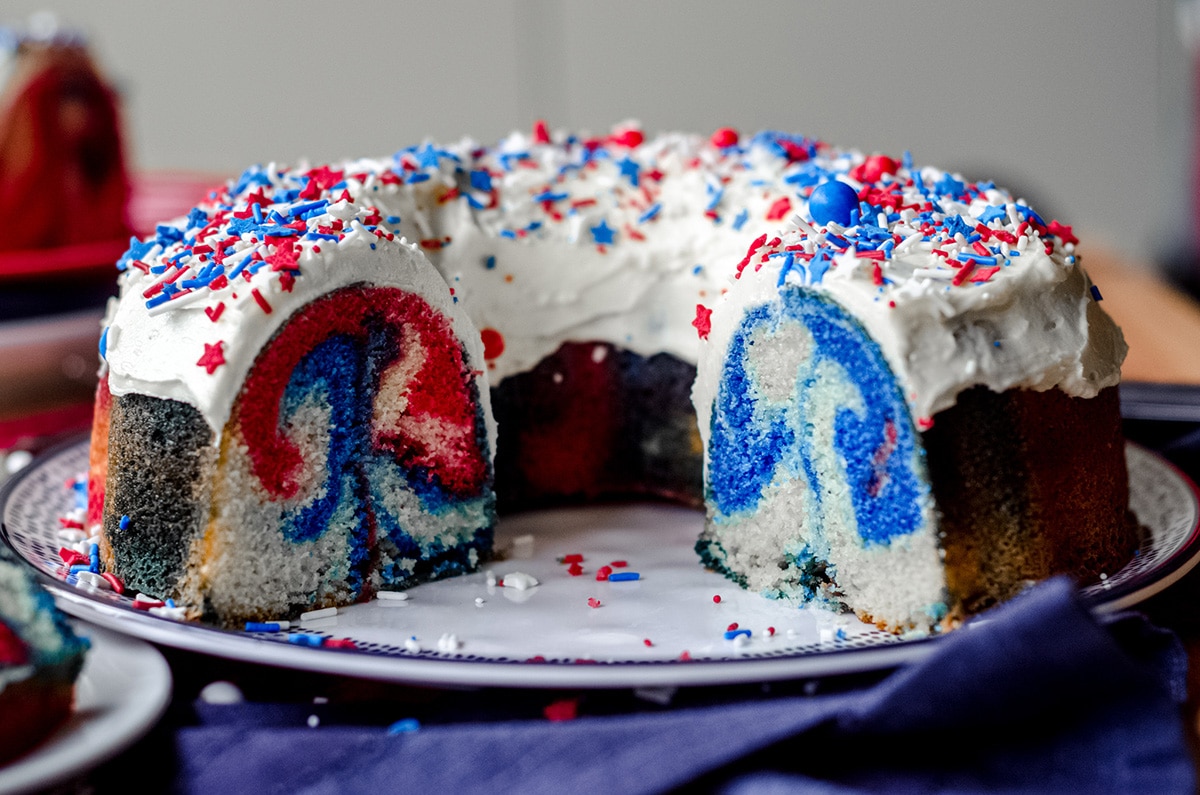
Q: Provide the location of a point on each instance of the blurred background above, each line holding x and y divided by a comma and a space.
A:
1083, 107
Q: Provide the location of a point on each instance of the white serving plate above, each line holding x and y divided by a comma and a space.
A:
664, 629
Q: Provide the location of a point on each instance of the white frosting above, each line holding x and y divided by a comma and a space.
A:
1034, 323
619, 239
157, 351
549, 281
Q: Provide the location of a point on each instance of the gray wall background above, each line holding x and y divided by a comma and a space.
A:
1081, 106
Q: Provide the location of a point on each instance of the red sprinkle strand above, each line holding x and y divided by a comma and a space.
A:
779, 209
262, 302
755, 246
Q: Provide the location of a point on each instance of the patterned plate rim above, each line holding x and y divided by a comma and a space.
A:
457, 672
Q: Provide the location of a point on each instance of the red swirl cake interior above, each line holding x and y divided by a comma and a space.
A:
353, 451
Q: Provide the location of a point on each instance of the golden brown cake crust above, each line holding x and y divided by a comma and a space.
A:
1029, 484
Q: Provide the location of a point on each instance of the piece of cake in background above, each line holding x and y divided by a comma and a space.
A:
63, 178
40, 659
909, 402
65, 198
293, 411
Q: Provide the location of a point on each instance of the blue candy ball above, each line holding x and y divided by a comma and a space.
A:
832, 201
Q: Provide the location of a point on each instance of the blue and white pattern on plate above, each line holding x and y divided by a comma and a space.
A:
465, 632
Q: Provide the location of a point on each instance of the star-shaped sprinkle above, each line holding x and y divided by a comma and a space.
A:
992, 213
213, 357
602, 233
1062, 232
196, 218
428, 156
285, 257
325, 177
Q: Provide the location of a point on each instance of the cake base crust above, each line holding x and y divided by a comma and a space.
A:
1029, 485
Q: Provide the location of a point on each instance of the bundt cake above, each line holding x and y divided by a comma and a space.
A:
895, 338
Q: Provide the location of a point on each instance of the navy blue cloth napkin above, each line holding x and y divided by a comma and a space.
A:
1039, 697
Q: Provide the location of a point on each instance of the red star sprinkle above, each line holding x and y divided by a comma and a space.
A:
325, 177
1062, 232
213, 357
285, 257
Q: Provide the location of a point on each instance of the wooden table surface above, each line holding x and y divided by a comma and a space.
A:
1161, 324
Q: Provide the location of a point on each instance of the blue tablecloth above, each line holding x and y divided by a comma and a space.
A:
1041, 697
